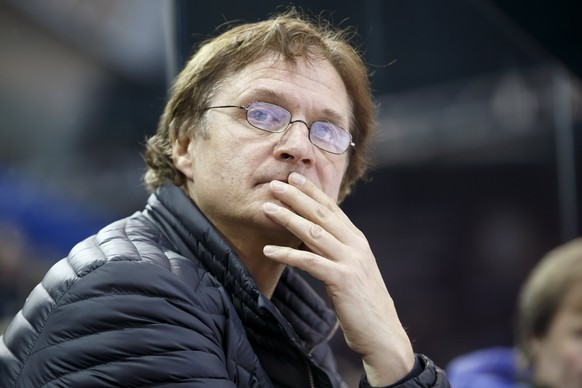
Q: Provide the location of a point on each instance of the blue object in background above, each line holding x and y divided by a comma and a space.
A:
494, 367
49, 219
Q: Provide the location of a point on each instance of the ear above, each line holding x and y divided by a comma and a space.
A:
182, 155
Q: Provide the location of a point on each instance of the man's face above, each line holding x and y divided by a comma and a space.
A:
228, 172
558, 355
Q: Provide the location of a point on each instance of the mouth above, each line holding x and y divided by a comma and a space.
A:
266, 181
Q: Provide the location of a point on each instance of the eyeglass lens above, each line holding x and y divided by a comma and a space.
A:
274, 118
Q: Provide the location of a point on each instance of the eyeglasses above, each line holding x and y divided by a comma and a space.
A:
273, 118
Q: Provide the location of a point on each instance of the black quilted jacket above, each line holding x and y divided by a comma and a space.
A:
159, 299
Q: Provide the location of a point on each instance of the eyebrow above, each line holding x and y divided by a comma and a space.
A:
273, 95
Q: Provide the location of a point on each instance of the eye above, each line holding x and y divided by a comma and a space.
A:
329, 137
268, 117
258, 115
323, 131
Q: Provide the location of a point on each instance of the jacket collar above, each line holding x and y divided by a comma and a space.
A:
295, 312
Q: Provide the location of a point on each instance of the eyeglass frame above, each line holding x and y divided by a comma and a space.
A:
246, 109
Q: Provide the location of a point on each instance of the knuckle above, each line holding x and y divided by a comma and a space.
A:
331, 204
310, 261
315, 231
322, 211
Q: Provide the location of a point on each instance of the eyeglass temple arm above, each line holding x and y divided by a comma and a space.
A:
226, 106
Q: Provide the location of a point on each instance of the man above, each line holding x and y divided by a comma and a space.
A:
264, 133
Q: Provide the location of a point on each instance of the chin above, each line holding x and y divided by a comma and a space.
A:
277, 234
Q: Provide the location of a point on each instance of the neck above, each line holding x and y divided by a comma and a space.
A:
265, 272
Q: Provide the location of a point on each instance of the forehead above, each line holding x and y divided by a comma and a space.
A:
311, 85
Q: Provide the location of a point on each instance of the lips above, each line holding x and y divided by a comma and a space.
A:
265, 180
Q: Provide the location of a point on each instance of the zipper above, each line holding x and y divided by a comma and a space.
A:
309, 373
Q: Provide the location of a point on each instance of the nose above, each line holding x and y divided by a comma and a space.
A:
294, 145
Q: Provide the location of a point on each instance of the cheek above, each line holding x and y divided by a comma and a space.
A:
573, 348
232, 163
339, 172
560, 348
331, 179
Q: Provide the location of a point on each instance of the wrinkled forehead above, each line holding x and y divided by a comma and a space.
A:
304, 81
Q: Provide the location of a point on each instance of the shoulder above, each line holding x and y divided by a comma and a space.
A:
120, 293
125, 255
132, 239
128, 259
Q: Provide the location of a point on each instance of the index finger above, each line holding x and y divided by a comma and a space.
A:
310, 189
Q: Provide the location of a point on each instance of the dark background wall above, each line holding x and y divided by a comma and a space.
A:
455, 225
477, 160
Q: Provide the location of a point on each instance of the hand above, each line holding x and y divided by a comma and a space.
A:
341, 258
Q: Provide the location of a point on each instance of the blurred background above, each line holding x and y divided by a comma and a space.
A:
477, 160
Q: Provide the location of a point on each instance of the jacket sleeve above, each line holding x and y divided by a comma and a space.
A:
116, 323
430, 376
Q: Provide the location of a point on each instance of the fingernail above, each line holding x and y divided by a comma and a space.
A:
269, 249
297, 179
270, 207
278, 186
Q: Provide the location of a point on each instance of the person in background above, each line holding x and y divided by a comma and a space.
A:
548, 350
264, 133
